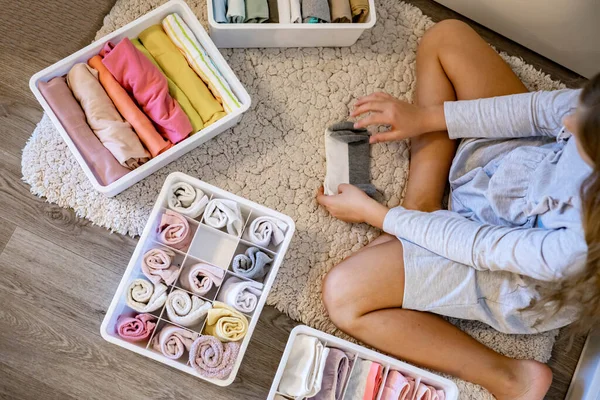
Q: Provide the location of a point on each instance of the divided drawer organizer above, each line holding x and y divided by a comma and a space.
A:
287, 35
355, 352
208, 245
132, 30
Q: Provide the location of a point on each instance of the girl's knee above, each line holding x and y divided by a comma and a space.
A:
440, 33
337, 299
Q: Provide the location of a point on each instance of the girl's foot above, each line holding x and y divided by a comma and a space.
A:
529, 380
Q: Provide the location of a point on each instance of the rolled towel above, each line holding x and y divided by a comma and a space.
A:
221, 213
257, 11
340, 11
145, 297
266, 230
174, 230
295, 12
226, 323
360, 10
236, 11
174, 90
426, 392
186, 310
186, 199
396, 387
142, 125
241, 295
252, 265
303, 373
104, 119
185, 40
213, 359
175, 66
156, 266
101, 162
136, 329
315, 11
335, 375
172, 341
201, 278
220, 11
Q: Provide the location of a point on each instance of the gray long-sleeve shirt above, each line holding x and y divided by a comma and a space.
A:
515, 204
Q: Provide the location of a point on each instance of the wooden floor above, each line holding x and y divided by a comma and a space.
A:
59, 272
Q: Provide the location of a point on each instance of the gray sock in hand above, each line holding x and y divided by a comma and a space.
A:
348, 160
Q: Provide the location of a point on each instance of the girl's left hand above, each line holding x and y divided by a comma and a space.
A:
353, 205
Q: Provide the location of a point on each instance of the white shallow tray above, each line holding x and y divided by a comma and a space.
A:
132, 30
287, 35
209, 245
388, 363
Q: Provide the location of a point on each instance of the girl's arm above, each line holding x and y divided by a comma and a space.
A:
546, 255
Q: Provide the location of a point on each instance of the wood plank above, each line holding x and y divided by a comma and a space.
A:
28, 387
6, 231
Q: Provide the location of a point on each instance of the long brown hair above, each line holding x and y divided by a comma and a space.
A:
582, 291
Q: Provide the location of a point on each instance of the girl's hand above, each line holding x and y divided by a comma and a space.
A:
406, 120
353, 205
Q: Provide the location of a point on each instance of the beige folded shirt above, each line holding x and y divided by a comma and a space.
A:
104, 119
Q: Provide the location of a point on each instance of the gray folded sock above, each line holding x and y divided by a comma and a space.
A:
252, 265
348, 160
315, 10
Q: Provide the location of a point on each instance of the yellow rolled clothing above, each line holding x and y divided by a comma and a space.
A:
174, 65
225, 323
175, 91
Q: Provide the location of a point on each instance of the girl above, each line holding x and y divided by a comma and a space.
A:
522, 228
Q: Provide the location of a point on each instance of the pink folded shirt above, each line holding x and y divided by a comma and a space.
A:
147, 84
397, 387
136, 329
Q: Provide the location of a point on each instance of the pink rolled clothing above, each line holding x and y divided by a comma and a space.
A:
373, 381
136, 329
147, 84
157, 266
174, 230
397, 387
213, 359
101, 162
426, 392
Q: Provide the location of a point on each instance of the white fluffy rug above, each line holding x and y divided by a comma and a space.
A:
275, 156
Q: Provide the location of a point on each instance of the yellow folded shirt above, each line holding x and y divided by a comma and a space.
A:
174, 65
225, 323
175, 91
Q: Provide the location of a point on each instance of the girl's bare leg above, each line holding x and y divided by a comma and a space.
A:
364, 293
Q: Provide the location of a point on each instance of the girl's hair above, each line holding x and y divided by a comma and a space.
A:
581, 292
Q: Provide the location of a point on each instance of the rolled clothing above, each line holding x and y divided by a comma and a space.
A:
148, 86
257, 11
397, 387
264, 231
186, 199
226, 323
295, 12
100, 161
374, 380
340, 11
335, 375
252, 265
360, 10
104, 119
285, 16
426, 392
157, 266
175, 66
201, 278
315, 9
174, 90
185, 40
174, 230
173, 341
186, 310
240, 294
220, 11
273, 11
303, 373
141, 124
221, 213
136, 329
144, 297
213, 359
236, 11
357, 383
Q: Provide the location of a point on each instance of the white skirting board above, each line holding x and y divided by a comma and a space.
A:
585, 384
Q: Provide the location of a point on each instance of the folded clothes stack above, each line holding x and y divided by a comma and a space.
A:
314, 371
137, 98
290, 11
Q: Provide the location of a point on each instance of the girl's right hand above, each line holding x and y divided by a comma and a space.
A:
406, 120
